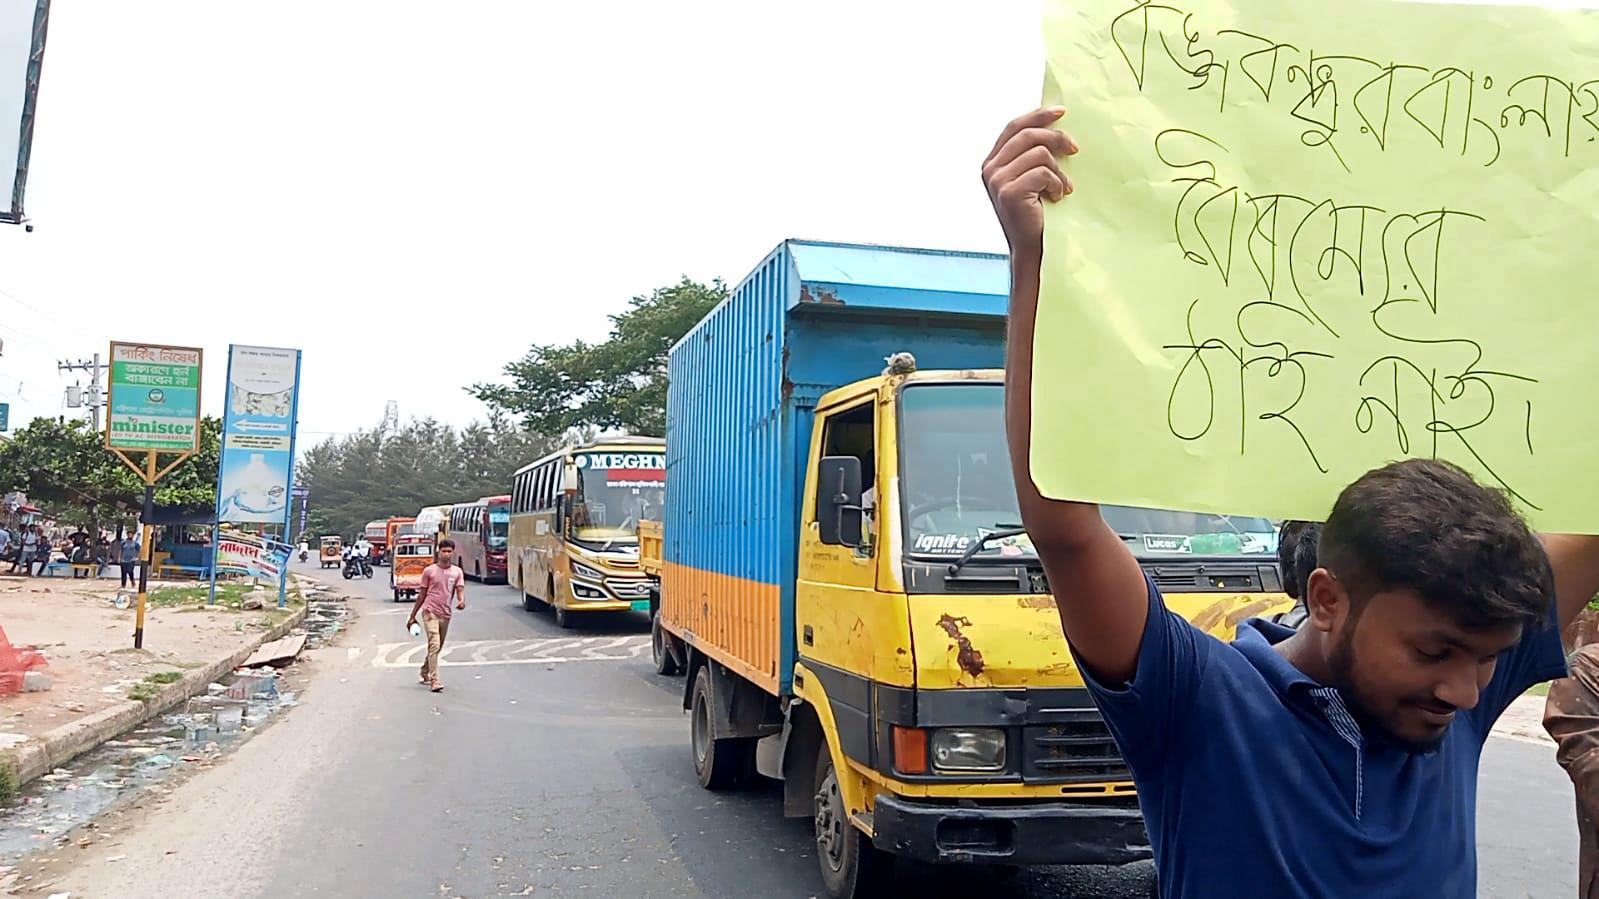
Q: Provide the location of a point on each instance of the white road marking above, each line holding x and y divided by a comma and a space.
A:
355, 653
475, 653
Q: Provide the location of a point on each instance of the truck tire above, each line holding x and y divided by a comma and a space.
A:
852, 868
397, 597
660, 651
719, 764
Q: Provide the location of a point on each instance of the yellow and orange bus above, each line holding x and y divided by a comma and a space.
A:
573, 537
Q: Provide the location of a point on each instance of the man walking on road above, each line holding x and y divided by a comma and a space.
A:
441, 582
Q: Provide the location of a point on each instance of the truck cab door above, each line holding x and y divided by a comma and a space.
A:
849, 635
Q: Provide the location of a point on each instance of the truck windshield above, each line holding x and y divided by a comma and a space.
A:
499, 525
956, 487
616, 491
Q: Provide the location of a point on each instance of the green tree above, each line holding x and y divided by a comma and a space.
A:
619, 384
376, 474
65, 469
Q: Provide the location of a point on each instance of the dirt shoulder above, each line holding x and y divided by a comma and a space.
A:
88, 642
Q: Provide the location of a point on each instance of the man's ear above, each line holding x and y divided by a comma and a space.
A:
1326, 601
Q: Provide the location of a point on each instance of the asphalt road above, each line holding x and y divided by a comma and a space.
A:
556, 764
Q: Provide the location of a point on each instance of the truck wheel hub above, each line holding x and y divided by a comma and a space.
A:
829, 823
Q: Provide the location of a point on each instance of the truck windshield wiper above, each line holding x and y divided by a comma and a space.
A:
1006, 530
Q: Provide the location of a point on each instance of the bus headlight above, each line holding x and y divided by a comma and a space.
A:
582, 592
585, 572
968, 749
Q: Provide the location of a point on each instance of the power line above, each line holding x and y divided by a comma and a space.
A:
7, 293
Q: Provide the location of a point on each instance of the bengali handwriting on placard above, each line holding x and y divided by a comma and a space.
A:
1308, 228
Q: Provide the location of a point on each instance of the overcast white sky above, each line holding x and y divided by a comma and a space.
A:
413, 193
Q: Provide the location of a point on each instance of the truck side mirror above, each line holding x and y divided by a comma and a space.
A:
838, 500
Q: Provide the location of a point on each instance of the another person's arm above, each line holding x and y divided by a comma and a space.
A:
1575, 559
1571, 715
421, 596
1099, 589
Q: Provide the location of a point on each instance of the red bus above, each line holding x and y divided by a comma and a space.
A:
479, 530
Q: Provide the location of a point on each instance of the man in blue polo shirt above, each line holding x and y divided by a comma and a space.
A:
1336, 760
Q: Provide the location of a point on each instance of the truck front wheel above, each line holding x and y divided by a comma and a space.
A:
852, 868
665, 663
719, 764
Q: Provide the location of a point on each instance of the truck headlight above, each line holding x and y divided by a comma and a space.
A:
968, 749
583, 571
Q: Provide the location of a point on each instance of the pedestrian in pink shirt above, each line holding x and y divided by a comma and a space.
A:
441, 582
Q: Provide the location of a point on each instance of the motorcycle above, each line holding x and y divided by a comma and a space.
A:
305, 554
356, 565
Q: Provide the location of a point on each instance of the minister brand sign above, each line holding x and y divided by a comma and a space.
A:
154, 398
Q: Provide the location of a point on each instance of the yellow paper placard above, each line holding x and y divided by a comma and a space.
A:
1309, 238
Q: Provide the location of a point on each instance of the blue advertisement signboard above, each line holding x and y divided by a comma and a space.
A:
258, 435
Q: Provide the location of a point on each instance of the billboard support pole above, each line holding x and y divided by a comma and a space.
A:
147, 550
288, 508
211, 599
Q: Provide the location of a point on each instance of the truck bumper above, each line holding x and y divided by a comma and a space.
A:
1049, 833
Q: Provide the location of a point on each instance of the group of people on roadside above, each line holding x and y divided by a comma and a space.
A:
27, 548
31, 551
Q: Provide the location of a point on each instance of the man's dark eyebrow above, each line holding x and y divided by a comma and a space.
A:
1455, 642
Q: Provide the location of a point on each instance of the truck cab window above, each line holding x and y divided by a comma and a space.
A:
852, 433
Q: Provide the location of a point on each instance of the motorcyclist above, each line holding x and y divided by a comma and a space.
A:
356, 556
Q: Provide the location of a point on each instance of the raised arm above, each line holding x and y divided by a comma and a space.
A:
1575, 559
1099, 589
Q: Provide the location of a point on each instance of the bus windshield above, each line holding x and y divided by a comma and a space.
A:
957, 489
617, 490
499, 525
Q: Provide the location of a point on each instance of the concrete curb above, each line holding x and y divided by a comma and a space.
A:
55, 748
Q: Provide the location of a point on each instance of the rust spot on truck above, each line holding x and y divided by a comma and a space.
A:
1211, 615
1037, 602
967, 656
1242, 613
822, 296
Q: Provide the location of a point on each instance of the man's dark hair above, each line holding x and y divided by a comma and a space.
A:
446, 543
1428, 526
1305, 554
1296, 554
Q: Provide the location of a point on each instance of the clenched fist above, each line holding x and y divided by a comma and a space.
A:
1022, 171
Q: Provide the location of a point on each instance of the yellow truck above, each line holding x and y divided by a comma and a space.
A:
843, 579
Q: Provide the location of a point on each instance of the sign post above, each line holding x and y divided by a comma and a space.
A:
258, 424
5, 416
153, 407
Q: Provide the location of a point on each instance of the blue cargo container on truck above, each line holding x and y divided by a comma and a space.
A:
842, 580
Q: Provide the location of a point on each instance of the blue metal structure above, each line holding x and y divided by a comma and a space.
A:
744, 383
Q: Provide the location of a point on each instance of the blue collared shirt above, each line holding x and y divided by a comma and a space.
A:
1257, 781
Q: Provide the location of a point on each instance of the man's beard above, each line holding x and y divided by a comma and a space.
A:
1342, 665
